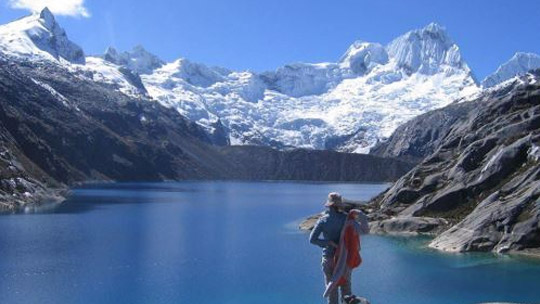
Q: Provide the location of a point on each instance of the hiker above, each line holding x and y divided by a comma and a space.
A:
330, 225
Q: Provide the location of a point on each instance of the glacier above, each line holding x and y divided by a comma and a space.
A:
348, 105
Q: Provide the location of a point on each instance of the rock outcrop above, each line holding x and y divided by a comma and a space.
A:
483, 176
420, 137
408, 225
21, 181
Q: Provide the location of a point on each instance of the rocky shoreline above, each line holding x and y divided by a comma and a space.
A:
27, 202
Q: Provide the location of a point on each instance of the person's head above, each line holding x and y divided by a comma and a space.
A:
334, 201
354, 214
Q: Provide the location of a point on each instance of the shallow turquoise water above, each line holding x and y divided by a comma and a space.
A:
226, 242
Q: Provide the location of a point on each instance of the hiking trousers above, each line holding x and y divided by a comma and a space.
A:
328, 269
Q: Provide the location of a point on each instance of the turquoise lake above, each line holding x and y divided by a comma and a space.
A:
227, 242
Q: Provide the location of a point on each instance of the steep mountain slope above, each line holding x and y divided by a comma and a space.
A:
420, 136
75, 129
345, 106
483, 178
519, 64
21, 181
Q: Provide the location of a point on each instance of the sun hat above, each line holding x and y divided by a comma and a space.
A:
334, 199
355, 211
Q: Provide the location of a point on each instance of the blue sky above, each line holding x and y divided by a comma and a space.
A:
262, 35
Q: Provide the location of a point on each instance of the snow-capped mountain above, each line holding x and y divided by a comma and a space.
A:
348, 105
427, 51
138, 59
519, 64
39, 36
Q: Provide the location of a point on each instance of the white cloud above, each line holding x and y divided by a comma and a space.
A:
73, 8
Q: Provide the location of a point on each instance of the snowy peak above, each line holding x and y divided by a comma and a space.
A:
39, 35
519, 64
195, 74
363, 56
138, 59
428, 51
47, 19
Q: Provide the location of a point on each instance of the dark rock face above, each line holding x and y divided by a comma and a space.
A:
75, 130
20, 178
134, 79
58, 129
483, 176
419, 137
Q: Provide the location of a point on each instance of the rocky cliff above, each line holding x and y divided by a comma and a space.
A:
481, 179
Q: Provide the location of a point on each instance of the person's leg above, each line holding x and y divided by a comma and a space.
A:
346, 287
328, 269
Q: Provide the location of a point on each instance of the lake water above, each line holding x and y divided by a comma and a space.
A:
226, 242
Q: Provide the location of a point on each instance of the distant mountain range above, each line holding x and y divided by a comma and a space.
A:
349, 105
